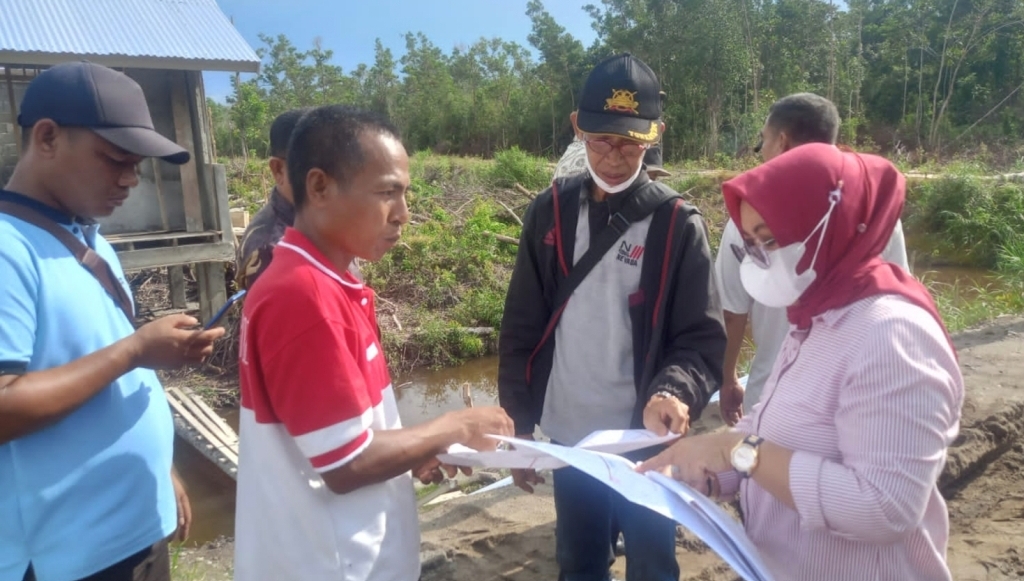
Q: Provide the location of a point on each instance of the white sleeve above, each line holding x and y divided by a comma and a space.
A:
727, 269
896, 250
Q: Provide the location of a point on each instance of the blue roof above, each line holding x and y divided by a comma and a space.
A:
166, 34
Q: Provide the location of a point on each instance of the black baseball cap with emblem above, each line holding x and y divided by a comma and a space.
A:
92, 96
622, 96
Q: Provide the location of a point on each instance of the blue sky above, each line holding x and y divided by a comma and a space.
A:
349, 27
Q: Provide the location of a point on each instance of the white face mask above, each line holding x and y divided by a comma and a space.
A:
777, 285
605, 186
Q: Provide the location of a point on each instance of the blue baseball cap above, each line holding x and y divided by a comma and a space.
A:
110, 103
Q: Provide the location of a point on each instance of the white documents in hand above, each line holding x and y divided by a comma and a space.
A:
597, 456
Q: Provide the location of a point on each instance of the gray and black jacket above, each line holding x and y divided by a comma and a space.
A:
678, 333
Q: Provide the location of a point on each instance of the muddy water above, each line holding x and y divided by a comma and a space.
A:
423, 395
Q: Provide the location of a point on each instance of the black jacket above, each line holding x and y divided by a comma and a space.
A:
678, 333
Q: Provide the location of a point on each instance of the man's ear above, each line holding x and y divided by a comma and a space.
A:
277, 169
318, 185
45, 134
784, 143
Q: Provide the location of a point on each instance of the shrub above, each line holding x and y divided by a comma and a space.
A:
513, 166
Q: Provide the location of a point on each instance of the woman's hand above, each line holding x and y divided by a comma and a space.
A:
696, 459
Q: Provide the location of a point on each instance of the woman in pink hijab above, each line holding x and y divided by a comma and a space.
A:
836, 468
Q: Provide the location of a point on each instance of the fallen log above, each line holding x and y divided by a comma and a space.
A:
503, 238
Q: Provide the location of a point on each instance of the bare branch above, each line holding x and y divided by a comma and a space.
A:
513, 214
503, 238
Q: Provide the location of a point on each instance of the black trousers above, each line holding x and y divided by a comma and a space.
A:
149, 564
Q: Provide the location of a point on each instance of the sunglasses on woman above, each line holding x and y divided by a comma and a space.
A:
755, 250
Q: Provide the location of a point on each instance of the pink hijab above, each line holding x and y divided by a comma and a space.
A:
791, 192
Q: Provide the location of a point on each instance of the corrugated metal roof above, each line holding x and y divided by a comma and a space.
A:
179, 34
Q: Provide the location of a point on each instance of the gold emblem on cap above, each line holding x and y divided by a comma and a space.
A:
651, 134
622, 101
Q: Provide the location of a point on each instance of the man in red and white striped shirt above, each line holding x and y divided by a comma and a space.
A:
324, 483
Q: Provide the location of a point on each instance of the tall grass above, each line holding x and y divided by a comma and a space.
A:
970, 220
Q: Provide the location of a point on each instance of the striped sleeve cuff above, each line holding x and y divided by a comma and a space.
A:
343, 455
804, 484
728, 484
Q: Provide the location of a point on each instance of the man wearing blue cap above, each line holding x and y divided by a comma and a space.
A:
86, 490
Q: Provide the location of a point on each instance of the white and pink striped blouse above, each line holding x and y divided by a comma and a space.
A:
869, 399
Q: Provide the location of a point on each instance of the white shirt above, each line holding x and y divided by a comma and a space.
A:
769, 326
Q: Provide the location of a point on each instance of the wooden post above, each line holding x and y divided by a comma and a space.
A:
14, 109
176, 276
158, 181
190, 188
212, 289
219, 177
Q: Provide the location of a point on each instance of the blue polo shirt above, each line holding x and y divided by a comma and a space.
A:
94, 488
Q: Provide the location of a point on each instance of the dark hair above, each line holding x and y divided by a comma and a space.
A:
281, 129
328, 138
806, 118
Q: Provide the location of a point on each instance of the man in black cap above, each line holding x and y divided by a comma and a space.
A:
611, 321
574, 161
86, 435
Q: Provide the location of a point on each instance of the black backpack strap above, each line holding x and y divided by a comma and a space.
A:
641, 203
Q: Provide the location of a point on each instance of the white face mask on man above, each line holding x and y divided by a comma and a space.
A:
771, 279
605, 186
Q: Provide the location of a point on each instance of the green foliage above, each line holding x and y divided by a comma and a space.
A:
963, 306
515, 166
249, 183
1011, 258
448, 277
973, 220
919, 80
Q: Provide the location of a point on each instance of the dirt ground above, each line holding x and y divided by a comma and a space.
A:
508, 535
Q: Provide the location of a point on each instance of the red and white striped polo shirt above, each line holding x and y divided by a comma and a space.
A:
315, 386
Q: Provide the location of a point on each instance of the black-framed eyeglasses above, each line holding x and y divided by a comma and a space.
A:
755, 250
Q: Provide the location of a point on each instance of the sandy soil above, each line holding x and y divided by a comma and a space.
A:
508, 535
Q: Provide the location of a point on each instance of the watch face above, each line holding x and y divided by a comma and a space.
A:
743, 458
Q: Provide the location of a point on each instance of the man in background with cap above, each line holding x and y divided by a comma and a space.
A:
268, 225
637, 344
574, 161
86, 434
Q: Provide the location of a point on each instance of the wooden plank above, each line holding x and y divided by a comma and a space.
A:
204, 125
219, 179
228, 434
158, 181
176, 276
181, 112
163, 236
179, 402
204, 157
221, 432
171, 256
205, 438
212, 288
173, 238
14, 109
239, 217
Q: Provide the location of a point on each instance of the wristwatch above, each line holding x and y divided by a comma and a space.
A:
744, 455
